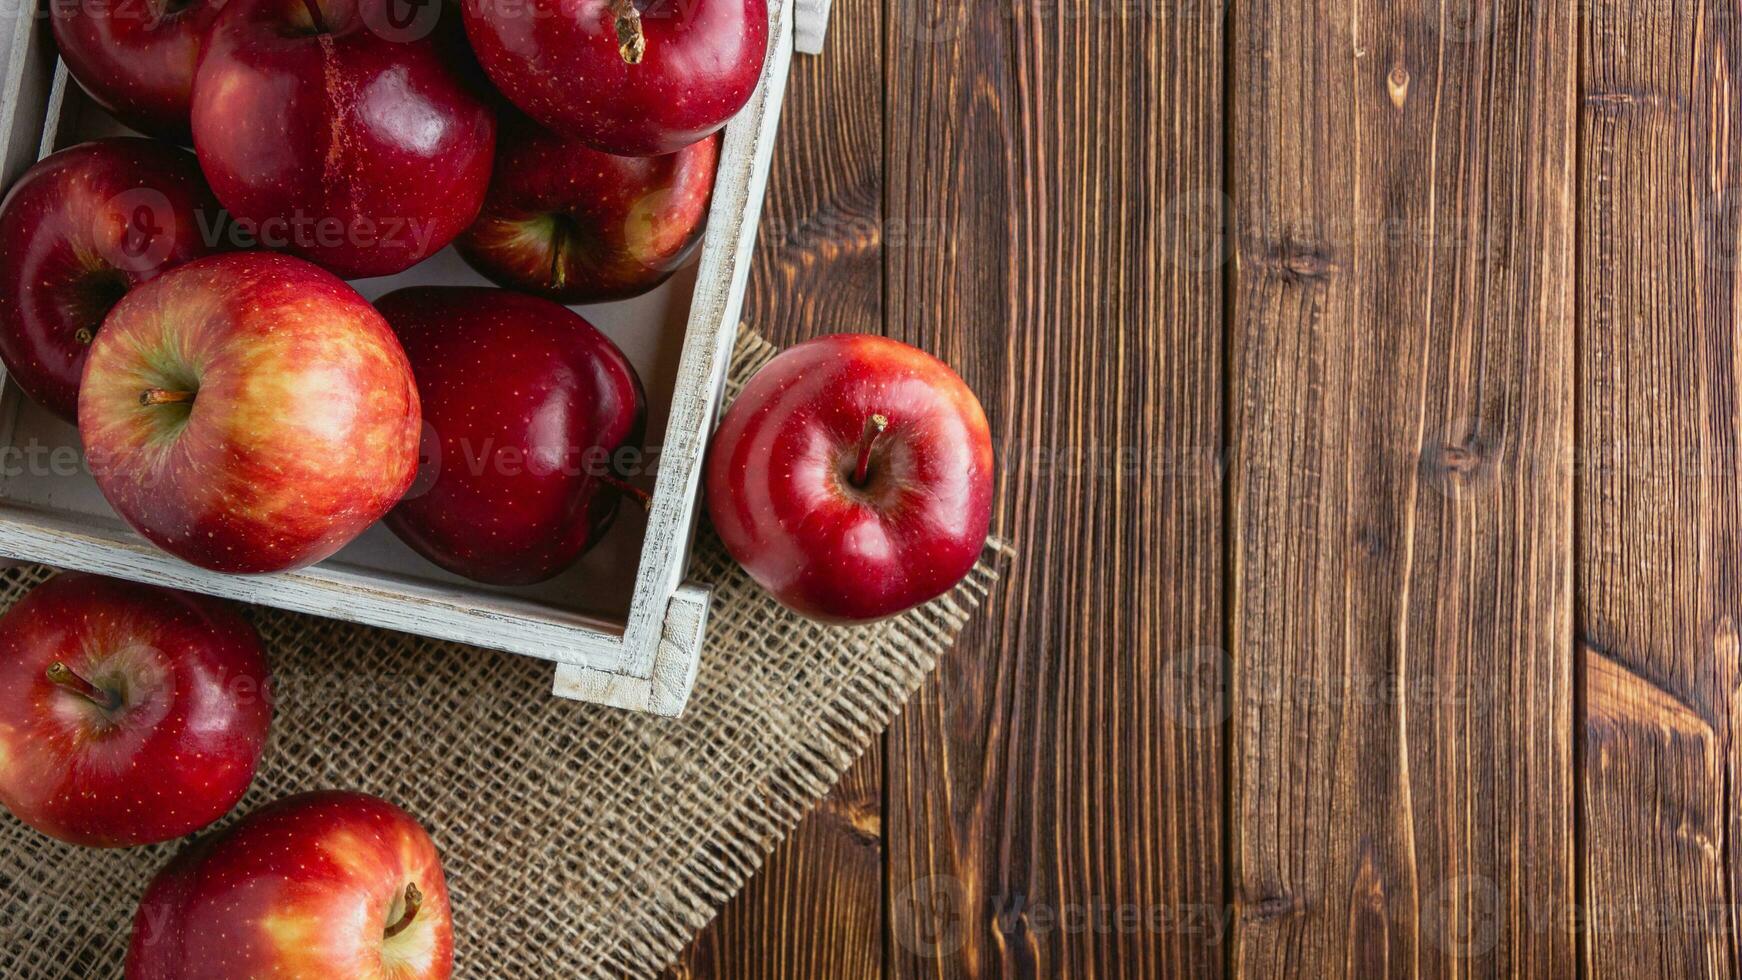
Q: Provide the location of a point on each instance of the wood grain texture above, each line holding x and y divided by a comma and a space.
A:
1054, 794
1660, 533
816, 909
1402, 477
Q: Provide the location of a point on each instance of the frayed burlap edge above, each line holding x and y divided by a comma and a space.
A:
901, 654
578, 840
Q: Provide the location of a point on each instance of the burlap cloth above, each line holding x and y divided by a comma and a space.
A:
578, 840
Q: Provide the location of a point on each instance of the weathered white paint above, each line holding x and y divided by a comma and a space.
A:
810, 25
30, 70
724, 272
646, 663
667, 687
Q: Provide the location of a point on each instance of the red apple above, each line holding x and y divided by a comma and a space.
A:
579, 226
136, 58
633, 77
79, 230
128, 714
249, 413
526, 405
853, 478
330, 134
324, 884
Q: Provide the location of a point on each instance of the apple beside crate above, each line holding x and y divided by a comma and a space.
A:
631, 641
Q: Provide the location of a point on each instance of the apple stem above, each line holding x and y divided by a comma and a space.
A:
559, 275
413, 898
874, 429
160, 396
63, 676
622, 486
631, 39
314, 14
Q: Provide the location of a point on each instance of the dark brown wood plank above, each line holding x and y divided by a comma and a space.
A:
1402, 399
1054, 795
816, 909
1658, 513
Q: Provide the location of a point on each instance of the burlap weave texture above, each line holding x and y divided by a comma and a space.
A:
578, 840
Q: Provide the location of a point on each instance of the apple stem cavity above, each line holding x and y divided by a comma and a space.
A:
875, 426
631, 38
161, 396
413, 899
61, 675
314, 14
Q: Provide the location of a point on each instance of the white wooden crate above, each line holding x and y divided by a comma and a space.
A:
628, 640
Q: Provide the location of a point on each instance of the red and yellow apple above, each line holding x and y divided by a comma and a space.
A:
128, 714
325, 884
249, 413
852, 478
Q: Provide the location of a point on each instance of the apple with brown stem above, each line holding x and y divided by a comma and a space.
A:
128, 714
852, 478
632, 77
326, 884
249, 413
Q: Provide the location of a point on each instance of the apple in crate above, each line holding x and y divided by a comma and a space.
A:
128, 714
341, 131
633, 77
325, 884
79, 230
249, 413
526, 406
852, 478
136, 58
572, 224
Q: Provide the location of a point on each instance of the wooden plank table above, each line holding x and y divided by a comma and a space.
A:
1365, 382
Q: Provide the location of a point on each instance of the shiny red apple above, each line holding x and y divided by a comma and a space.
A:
330, 133
579, 226
853, 478
249, 412
136, 58
79, 230
631, 77
325, 884
526, 406
128, 714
